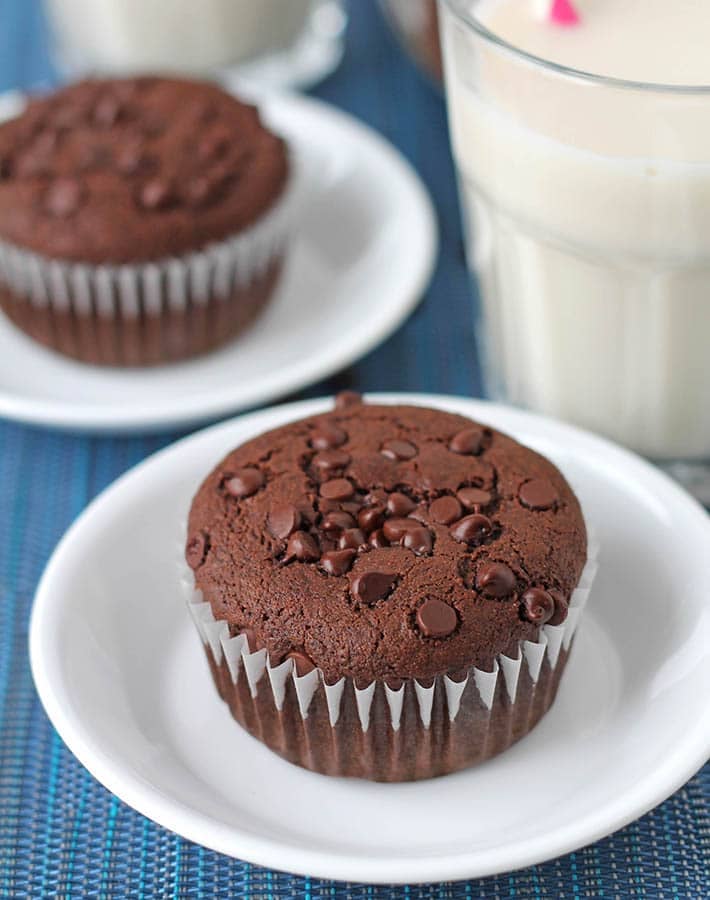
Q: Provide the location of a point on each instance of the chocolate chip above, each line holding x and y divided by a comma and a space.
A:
468, 442
346, 399
537, 494
445, 510
132, 158
337, 521
209, 113
63, 197
495, 580
369, 587
245, 483
472, 529
213, 145
201, 112
474, 498
377, 539
395, 529
561, 608
302, 663
537, 606
418, 540
352, 539
156, 194
371, 518
5, 167
107, 111
328, 436
151, 125
196, 550
222, 172
328, 460
94, 156
201, 190
399, 450
337, 489
337, 562
399, 504
436, 619
302, 546
283, 521
307, 512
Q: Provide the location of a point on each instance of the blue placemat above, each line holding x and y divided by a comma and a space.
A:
63, 835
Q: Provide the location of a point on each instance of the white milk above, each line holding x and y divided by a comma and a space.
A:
128, 35
590, 213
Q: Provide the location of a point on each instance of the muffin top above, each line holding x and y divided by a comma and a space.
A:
122, 171
386, 542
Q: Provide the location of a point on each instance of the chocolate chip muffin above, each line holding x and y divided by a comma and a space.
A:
400, 583
141, 221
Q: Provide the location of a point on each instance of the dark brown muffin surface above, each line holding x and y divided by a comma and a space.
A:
386, 542
129, 171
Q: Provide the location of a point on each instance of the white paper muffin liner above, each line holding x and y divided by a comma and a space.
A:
482, 701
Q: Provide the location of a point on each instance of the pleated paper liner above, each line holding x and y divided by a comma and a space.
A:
417, 731
146, 314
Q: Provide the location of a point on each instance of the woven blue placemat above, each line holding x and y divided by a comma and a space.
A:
62, 834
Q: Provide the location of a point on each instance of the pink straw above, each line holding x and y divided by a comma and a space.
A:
563, 13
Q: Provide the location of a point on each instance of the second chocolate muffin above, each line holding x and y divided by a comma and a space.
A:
141, 221
413, 568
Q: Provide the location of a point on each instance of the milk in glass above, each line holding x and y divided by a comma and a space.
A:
584, 160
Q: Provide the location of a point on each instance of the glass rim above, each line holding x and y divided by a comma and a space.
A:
468, 18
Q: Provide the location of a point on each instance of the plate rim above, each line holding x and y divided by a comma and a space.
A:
414, 280
171, 813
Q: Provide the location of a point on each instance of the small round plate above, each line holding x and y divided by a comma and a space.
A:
124, 679
362, 258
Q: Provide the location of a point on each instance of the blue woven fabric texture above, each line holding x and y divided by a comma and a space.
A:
62, 834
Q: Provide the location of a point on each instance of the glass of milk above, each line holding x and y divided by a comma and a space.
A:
583, 154
280, 43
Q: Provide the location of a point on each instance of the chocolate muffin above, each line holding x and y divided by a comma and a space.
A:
401, 585
141, 220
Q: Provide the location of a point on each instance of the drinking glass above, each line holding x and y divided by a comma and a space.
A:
587, 212
276, 43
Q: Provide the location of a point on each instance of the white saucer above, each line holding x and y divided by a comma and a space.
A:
363, 257
138, 708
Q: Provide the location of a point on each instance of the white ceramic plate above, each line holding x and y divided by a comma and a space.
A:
123, 677
363, 257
